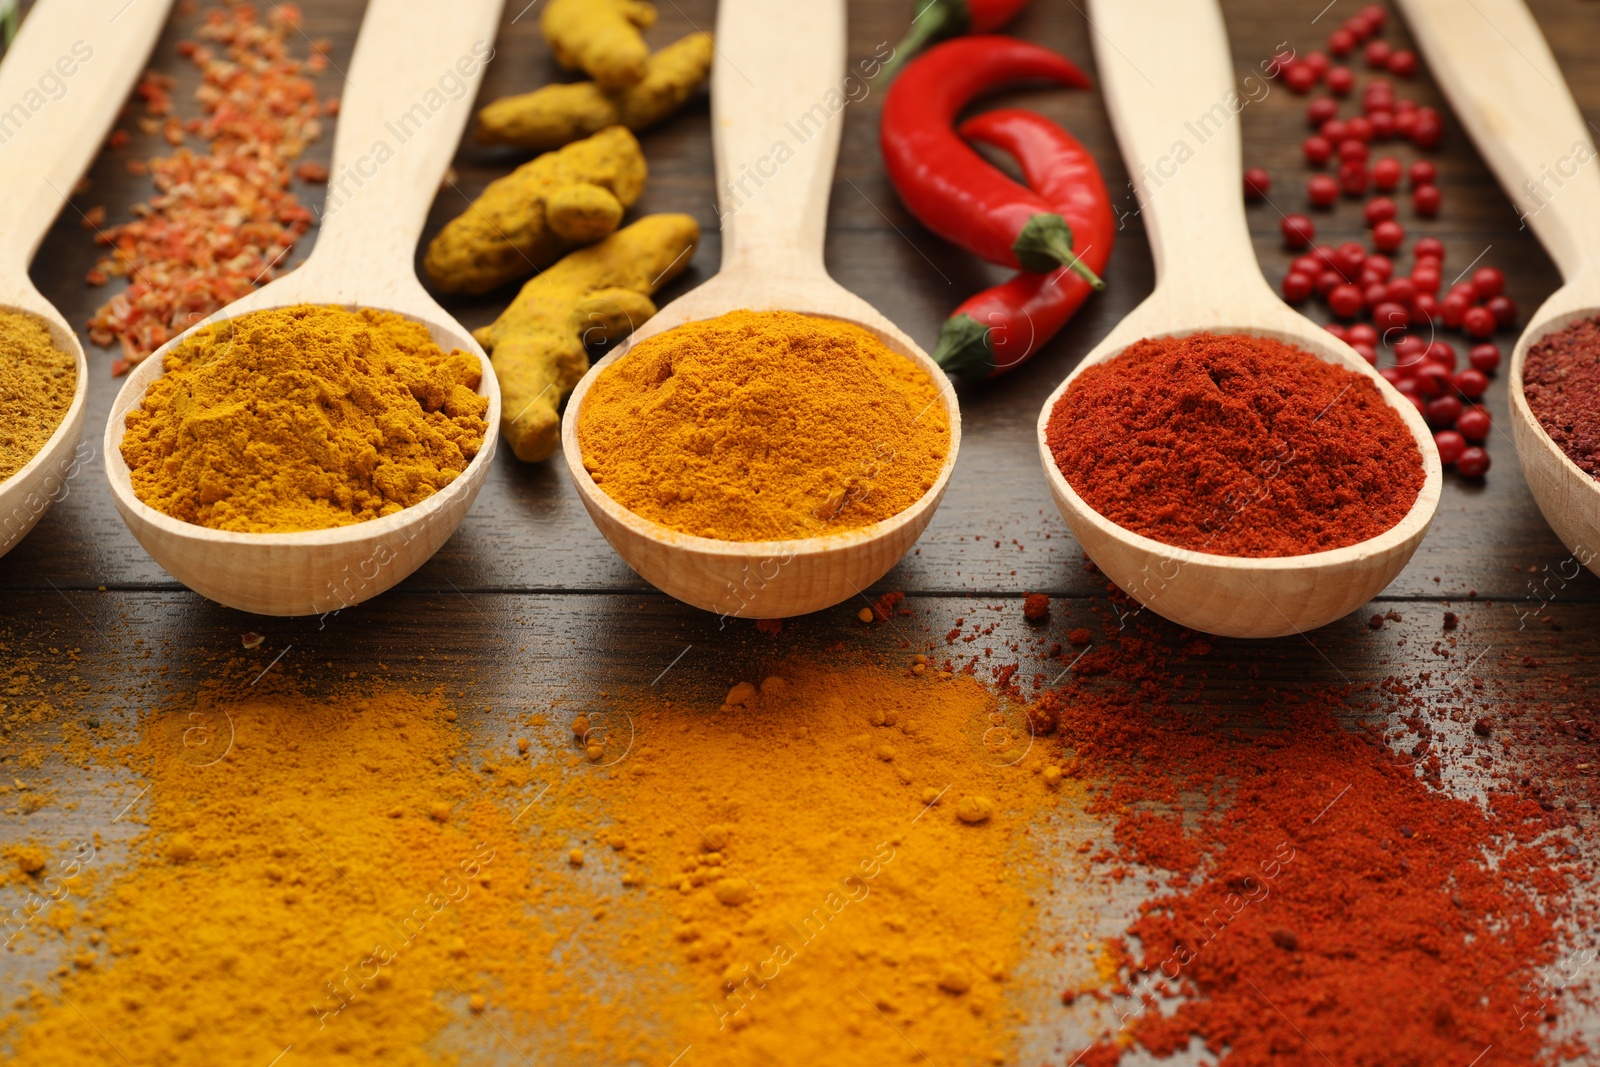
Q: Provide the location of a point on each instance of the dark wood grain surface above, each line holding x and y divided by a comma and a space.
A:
527, 599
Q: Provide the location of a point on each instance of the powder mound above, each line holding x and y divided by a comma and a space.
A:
763, 426
1235, 445
37, 380
304, 418
1561, 379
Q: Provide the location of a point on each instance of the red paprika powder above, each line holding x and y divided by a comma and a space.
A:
1323, 901
1561, 379
1235, 445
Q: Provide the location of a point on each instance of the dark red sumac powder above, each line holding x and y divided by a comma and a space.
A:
1237, 445
1561, 379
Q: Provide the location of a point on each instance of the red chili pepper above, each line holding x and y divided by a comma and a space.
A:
937, 20
1000, 327
951, 189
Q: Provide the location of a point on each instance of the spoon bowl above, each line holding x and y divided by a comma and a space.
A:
28, 493
1568, 495
1208, 280
772, 260
362, 259
42, 161
1525, 123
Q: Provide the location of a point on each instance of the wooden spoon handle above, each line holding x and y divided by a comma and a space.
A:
408, 91
1169, 85
1497, 70
61, 85
777, 97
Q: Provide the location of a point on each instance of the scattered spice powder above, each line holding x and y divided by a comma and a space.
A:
1328, 900
874, 786
362, 882
223, 221
325, 905
764, 426
304, 418
1561, 379
37, 383
1235, 445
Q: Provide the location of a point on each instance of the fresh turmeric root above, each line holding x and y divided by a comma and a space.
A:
528, 219
600, 293
600, 37
560, 114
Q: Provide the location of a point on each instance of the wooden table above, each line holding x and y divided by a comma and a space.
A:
527, 600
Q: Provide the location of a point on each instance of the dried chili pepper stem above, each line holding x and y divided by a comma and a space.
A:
1045, 243
937, 20
1002, 326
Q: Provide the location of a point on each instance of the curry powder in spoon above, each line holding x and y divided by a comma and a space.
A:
764, 426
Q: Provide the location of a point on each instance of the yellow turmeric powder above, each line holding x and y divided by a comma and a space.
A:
304, 418
37, 383
807, 839
528, 219
327, 874
563, 112
358, 881
599, 37
764, 426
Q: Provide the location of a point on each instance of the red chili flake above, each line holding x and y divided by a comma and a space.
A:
1080, 636
770, 627
311, 172
223, 221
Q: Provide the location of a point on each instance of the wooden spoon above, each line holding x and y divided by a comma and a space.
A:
409, 89
1494, 65
76, 60
778, 77
1170, 89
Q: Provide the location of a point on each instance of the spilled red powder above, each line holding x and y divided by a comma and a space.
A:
1561, 379
1325, 904
1235, 445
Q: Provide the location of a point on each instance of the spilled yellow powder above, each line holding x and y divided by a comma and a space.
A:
782, 880
301, 893
832, 905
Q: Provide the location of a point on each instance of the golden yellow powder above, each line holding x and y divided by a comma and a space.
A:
783, 880
304, 418
37, 382
764, 426
300, 887
832, 905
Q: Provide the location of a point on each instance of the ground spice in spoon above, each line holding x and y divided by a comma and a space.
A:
1561, 379
1235, 445
37, 381
764, 426
304, 418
